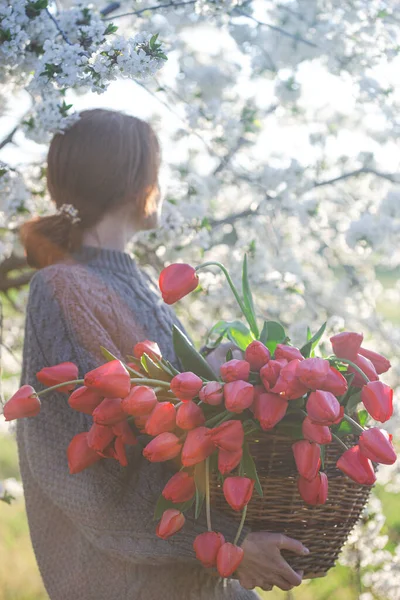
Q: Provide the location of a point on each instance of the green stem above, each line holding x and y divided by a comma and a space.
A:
242, 520
208, 509
156, 382
355, 367
232, 286
59, 385
354, 424
339, 441
216, 418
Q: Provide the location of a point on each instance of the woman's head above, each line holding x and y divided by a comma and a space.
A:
107, 162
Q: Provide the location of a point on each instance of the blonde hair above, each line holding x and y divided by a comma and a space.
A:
105, 160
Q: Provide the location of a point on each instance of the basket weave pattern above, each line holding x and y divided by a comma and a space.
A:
323, 529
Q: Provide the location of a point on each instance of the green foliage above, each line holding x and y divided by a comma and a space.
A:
235, 331
312, 342
200, 481
248, 468
272, 334
190, 358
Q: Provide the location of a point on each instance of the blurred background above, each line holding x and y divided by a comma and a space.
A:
279, 125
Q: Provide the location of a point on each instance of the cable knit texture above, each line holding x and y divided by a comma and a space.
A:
93, 533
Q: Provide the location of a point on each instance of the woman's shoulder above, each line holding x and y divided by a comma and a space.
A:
62, 280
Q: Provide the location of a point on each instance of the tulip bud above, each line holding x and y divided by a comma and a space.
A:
163, 447
147, 347
186, 386
381, 363
288, 352
313, 432
269, 373
357, 466
24, 403
140, 401
99, 436
376, 444
65, 371
269, 409
228, 436
206, 545
84, 400
257, 355
79, 455
123, 431
238, 491
347, 344
227, 461
322, 407
180, 488
366, 367
229, 558
313, 372
120, 452
140, 422
212, 393
176, 281
308, 458
189, 416
288, 385
238, 395
377, 398
171, 522
234, 370
162, 418
111, 380
334, 383
197, 447
315, 491
109, 412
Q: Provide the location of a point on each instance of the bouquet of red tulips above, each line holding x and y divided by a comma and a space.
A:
203, 419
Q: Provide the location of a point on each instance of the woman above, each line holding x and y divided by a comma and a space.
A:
93, 532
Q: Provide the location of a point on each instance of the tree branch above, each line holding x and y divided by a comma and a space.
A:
10, 136
60, 31
14, 263
362, 171
143, 10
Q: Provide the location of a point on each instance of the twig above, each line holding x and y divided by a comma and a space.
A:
143, 10
9, 137
362, 171
60, 31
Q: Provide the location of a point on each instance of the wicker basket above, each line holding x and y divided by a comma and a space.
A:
323, 529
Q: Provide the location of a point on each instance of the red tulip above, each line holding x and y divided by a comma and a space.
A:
357, 466
163, 447
335, 383
227, 461
140, 422
381, 363
377, 398
269, 409
238, 395
340, 417
321, 434
212, 393
367, 367
287, 352
376, 444
238, 491
24, 403
123, 431
171, 522
147, 347
189, 416
162, 419
65, 371
269, 373
313, 372
257, 355
186, 386
229, 558
228, 436
120, 452
322, 407
347, 344
197, 447
79, 454
140, 401
111, 380
176, 281
308, 458
288, 385
314, 491
109, 412
84, 400
180, 488
99, 437
206, 545
234, 370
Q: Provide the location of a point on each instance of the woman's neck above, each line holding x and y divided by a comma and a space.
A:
111, 233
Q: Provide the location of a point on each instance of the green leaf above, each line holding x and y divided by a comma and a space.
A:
153, 370
229, 355
249, 468
163, 504
248, 299
275, 335
323, 452
236, 331
363, 417
200, 481
191, 359
343, 429
312, 343
353, 401
107, 354
264, 334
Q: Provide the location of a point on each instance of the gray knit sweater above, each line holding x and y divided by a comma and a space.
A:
93, 533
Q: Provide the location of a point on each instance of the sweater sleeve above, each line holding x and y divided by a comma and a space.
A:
112, 506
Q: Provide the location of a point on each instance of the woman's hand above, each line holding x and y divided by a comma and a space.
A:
217, 357
263, 565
